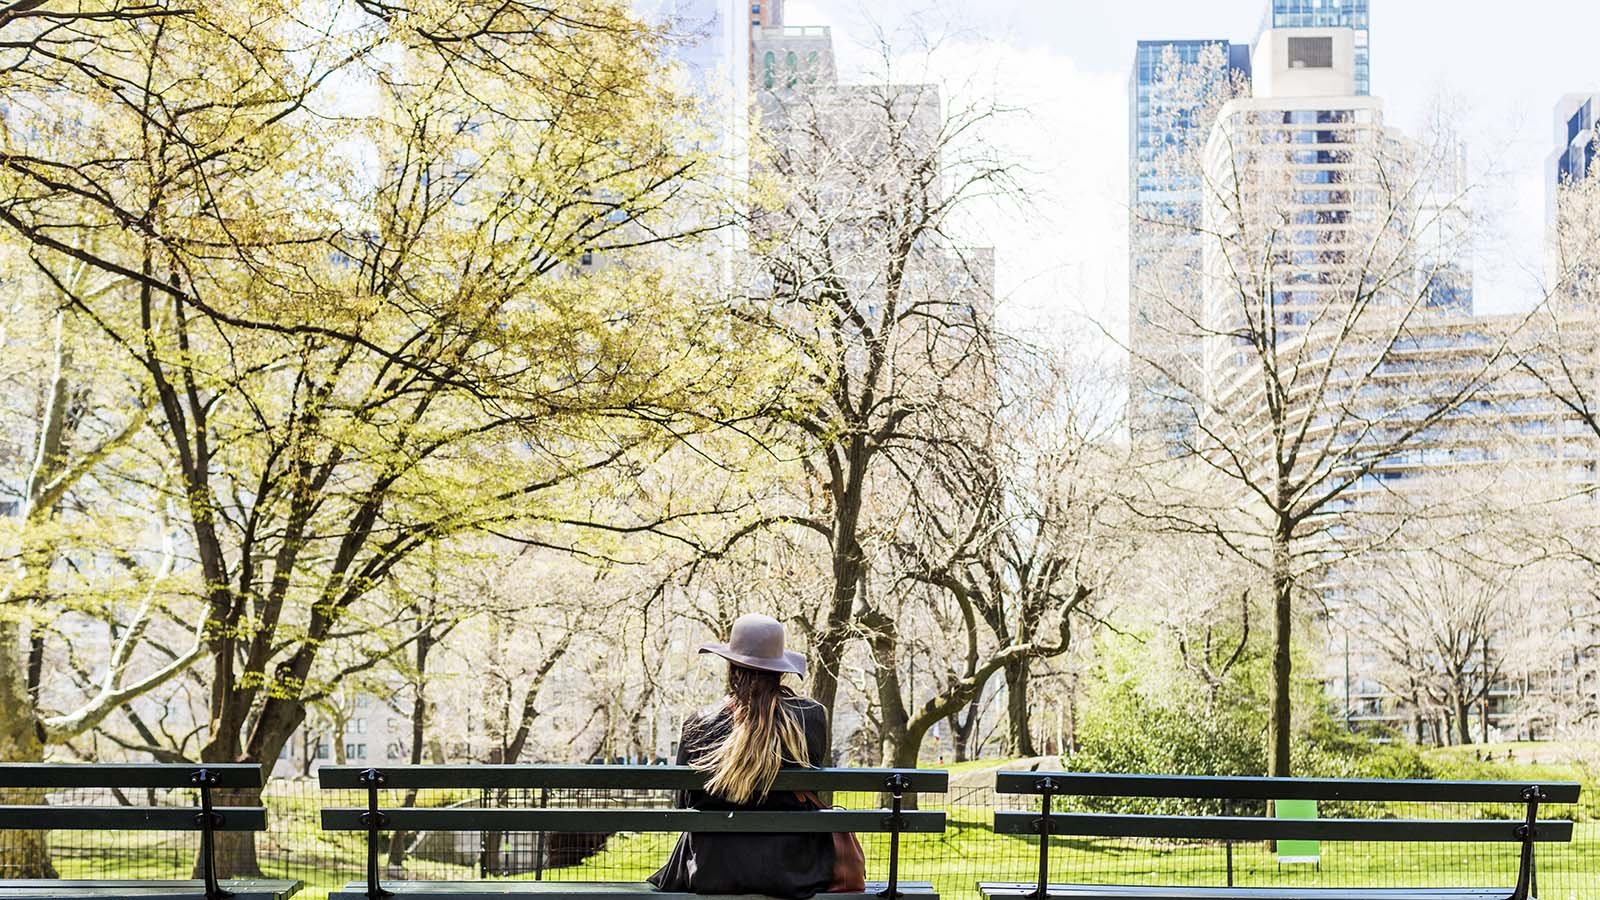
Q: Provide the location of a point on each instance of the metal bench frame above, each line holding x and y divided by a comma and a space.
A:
373, 818
1047, 785
207, 818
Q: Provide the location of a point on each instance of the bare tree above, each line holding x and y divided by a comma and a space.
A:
859, 279
1299, 309
1007, 523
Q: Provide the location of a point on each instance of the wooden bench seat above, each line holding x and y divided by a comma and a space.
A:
590, 890
1527, 831
1018, 890
107, 889
377, 816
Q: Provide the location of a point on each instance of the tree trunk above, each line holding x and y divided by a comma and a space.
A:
1463, 722
962, 731
1018, 678
236, 850
1072, 716
1279, 720
23, 854
419, 730
830, 646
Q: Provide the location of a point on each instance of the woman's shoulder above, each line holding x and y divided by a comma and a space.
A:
806, 706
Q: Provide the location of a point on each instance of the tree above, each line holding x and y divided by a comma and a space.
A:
359, 330
1292, 320
1439, 620
1007, 523
859, 280
76, 568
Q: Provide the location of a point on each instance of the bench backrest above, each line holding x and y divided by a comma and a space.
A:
375, 816
204, 816
131, 817
1526, 830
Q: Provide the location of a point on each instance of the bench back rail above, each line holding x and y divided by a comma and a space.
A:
204, 778
375, 818
1527, 831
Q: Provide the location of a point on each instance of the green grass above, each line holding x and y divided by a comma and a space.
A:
973, 765
968, 852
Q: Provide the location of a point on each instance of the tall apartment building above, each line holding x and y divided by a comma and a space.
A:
1160, 259
1293, 166
763, 14
1352, 14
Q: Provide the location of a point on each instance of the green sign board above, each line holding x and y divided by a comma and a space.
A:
1297, 851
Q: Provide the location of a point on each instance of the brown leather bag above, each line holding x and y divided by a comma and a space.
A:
849, 860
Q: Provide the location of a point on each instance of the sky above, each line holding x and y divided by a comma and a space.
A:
1062, 255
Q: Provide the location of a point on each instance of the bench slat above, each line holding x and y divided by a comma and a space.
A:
1012, 890
127, 818
105, 889
1088, 784
595, 821
588, 890
124, 775
1255, 828
665, 778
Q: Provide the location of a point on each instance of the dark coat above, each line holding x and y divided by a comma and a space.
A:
793, 866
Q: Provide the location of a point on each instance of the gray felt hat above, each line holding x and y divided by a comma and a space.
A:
757, 643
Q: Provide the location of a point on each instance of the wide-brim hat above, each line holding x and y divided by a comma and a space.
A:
757, 643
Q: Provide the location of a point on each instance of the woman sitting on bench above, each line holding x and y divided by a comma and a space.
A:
741, 743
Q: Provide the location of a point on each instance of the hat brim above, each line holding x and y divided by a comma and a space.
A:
791, 663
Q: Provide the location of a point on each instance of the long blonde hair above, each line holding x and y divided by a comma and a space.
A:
766, 731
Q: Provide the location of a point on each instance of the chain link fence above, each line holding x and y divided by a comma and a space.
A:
967, 852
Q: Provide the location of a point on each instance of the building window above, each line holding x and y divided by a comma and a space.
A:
355, 751
768, 63
587, 258
755, 9
1311, 53
324, 749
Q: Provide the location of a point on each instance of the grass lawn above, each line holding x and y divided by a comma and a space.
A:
969, 852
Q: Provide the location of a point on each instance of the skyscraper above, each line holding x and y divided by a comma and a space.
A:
1303, 149
1171, 82
1352, 14
1577, 142
1160, 126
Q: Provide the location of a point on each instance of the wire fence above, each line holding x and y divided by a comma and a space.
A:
968, 852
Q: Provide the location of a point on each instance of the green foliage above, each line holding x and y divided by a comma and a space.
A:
1126, 729
1141, 717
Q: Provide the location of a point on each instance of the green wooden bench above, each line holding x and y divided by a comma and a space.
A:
375, 817
1527, 830
203, 817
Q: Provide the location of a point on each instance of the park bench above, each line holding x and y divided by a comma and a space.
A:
1527, 830
375, 817
19, 779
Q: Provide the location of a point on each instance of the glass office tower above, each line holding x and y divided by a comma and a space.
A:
1159, 124
1354, 14
1576, 120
